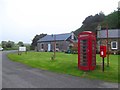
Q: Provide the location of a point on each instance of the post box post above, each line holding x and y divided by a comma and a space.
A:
103, 65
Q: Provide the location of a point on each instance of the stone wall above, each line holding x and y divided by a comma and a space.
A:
60, 46
104, 42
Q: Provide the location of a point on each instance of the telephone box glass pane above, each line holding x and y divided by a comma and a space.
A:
83, 54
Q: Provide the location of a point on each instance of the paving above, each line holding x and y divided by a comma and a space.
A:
17, 75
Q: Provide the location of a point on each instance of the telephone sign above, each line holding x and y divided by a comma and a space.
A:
102, 51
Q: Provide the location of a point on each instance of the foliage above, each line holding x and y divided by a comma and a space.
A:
111, 20
35, 39
4, 43
8, 44
91, 22
119, 18
67, 64
20, 43
74, 48
27, 46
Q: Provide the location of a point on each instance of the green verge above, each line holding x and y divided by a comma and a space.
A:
67, 64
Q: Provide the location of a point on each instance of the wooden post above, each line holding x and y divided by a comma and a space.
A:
107, 47
54, 46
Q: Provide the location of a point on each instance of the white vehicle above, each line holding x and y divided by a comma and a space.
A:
1, 49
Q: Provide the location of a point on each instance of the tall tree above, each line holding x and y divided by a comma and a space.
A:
111, 20
20, 43
119, 17
90, 23
10, 44
35, 39
4, 43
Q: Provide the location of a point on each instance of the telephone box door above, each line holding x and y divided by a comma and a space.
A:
83, 53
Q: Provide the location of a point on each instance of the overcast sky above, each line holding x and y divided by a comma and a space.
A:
21, 20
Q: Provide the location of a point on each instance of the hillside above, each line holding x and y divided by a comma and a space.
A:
91, 22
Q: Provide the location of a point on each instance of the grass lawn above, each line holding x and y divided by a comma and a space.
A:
67, 64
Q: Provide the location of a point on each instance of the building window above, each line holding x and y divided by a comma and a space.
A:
72, 36
42, 46
57, 45
114, 45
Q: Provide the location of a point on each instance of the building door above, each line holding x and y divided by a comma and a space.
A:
49, 47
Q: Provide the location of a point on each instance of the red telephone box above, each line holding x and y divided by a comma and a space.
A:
87, 51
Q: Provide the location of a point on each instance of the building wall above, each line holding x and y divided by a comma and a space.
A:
104, 42
60, 46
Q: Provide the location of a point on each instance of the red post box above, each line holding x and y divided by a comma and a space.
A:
87, 50
102, 51
103, 54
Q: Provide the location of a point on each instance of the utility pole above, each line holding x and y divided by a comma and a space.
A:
54, 46
107, 47
119, 15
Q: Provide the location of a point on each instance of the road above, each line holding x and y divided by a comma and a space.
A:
16, 75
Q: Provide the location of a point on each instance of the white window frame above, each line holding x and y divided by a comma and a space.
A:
112, 44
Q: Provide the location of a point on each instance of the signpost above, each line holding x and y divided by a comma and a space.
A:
21, 49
